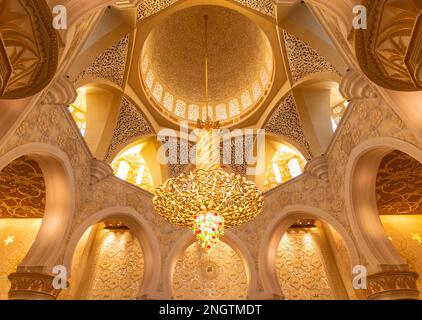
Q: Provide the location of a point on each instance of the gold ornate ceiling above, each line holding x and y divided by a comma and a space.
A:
28, 48
240, 62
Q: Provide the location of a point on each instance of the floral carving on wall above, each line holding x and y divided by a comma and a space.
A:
285, 121
119, 266
218, 276
22, 190
130, 123
300, 267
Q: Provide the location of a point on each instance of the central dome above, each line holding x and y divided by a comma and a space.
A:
240, 63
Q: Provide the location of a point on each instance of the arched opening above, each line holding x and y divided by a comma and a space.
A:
221, 275
285, 164
137, 163
22, 205
301, 246
37, 180
127, 236
399, 203
312, 264
107, 264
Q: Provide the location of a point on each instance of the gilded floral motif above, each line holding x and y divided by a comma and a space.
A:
22, 190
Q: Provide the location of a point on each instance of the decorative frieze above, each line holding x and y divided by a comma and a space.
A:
32, 286
392, 285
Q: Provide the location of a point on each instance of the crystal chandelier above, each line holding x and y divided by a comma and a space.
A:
209, 199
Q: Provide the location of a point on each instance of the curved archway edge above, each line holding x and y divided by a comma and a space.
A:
60, 202
360, 198
142, 231
278, 226
230, 239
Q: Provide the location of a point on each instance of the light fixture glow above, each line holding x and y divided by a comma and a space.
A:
208, 199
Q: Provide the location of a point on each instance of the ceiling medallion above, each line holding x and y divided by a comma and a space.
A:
209, 199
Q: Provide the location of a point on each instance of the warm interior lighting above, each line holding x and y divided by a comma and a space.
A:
232, 106
338, 107
78, 110
294, 167
208, 199
286, 163
130, 165
16, 238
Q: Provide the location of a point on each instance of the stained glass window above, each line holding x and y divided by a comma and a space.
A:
246, 100
256, 90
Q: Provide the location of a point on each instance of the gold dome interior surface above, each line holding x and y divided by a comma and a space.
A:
239, 60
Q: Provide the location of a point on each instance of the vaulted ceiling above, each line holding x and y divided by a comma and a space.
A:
151, 60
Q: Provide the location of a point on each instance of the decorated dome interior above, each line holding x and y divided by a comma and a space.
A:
240, 63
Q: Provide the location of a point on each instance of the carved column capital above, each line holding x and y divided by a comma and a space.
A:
354, 86
60, 92
392, 285
32, 286
99, 171
318, 167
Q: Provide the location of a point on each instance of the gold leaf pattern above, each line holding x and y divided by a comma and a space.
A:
22, 190
22, 232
